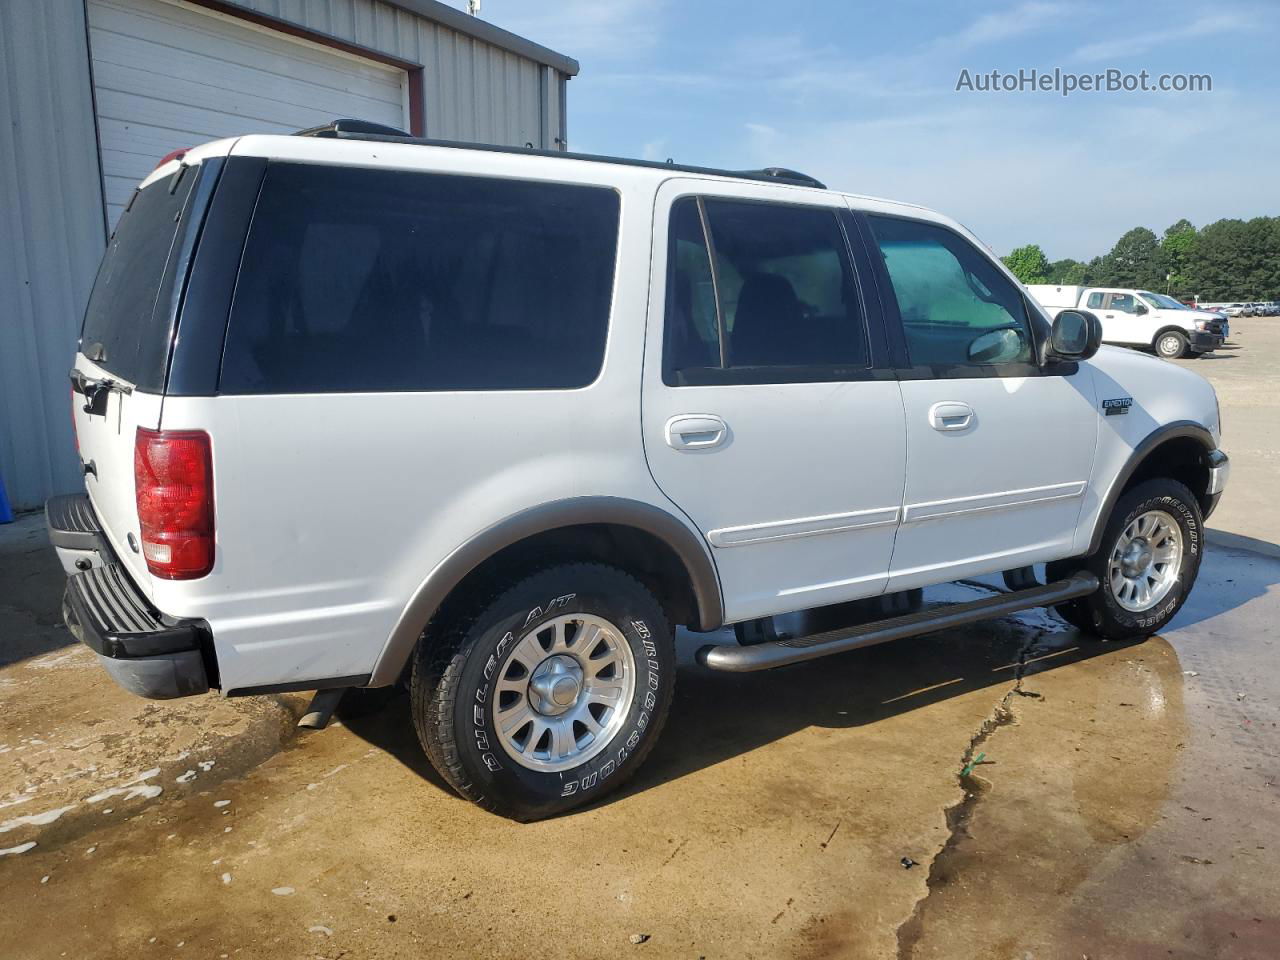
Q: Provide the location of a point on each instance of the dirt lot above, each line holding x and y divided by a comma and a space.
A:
1122, 801
1246, 374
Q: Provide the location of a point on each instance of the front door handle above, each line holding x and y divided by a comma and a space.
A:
699, 431
950, 415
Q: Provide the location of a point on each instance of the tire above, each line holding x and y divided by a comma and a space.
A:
1171, 345
485, 663
1117, 614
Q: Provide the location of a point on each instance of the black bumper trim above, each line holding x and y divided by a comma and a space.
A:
295, 686
1205, 342
106, 612
72, 523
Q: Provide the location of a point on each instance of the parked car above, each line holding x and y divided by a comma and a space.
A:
1234, 309
359, 411
1139, 318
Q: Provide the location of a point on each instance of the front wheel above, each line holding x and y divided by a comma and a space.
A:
1171, 345
1146, 565
548, 695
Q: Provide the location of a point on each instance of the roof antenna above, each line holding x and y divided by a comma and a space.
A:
473, 7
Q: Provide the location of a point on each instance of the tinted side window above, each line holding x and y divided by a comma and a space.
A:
122, 315
1095, 300
1121, 301
358, 280
787, 296
786, 285
692, 339
957, 309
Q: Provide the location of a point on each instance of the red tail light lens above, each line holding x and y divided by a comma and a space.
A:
172, 155
173, 475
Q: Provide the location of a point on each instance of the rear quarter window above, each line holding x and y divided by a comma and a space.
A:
124, 323
359, 280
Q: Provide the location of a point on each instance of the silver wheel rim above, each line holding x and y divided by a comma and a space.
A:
563, 692
1170, 346
1145, 561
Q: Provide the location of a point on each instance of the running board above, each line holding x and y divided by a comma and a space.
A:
733, 658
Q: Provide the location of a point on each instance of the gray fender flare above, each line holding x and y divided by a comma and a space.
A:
687, 544
1170, 431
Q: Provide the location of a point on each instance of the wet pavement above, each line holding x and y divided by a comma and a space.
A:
1121, 801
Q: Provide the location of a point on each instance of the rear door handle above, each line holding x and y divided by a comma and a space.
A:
950, 415
699, 431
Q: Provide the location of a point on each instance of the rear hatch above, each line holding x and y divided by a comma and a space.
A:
118, 379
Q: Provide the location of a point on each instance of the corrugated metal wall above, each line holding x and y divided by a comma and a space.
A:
51, 212
51, 237
473, 91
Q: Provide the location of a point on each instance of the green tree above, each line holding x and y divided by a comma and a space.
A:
1137, 260
1097, 273
1068, 272
1177, 243
1236, 260
1029, 264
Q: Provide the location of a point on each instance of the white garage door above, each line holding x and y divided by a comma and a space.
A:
169, 75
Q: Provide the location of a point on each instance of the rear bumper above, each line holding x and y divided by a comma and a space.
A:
145, 651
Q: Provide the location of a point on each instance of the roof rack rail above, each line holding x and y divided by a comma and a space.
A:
352, 128
348, 129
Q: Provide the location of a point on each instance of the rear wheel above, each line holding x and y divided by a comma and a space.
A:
547, 695
1146, 565
1171, 344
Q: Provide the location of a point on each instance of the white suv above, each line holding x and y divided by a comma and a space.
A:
357, 410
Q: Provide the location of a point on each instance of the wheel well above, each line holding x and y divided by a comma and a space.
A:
646, 557
1170, 329
1184, 459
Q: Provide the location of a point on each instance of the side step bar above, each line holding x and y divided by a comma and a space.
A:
733, 658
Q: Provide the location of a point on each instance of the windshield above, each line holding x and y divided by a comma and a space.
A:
122, 324
1160, 300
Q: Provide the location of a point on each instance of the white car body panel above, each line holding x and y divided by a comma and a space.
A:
788, 502
106, 448
1163, 394
1005, 491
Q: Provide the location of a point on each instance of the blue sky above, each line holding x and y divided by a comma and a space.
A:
862, 96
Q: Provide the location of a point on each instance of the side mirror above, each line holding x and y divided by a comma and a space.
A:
1076, 335
1141, 309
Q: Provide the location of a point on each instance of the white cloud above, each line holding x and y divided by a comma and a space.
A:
1006, 24
1133, 43
583, 28
654, 150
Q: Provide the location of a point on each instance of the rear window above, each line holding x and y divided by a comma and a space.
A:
123, 323
358, 280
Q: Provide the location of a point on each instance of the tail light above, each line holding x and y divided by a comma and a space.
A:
172, 155
173, 475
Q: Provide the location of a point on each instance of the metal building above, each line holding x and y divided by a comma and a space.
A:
94, 92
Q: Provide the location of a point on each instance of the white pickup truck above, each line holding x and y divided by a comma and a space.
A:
1139, 318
